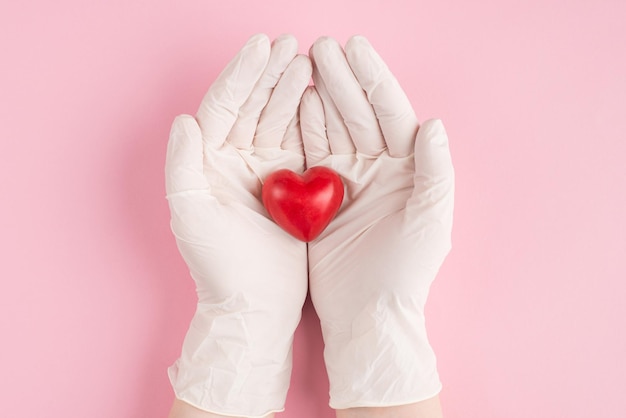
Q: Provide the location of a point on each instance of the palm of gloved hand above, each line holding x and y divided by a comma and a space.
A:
251, 277
371, 269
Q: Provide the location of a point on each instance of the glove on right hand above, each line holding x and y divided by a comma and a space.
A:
250, 276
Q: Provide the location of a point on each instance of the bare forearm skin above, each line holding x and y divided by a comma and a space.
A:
430, 408
182, 409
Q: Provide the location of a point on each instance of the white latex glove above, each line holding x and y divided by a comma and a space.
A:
251, 276
371, 269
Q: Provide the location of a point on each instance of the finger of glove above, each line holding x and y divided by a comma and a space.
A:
184, 159
293, 136
283, 104
313, 127
220, 106
337, 131
433, 189
347, 94
394, 112
284, 50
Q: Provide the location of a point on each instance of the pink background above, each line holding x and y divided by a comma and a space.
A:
528, 313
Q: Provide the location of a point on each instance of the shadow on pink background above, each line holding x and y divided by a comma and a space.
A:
527, 314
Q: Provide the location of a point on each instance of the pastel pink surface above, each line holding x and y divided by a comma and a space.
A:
526, 315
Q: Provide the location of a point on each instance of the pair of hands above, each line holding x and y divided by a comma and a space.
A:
368, 272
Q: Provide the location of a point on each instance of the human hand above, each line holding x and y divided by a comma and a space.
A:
251, 277
371, 269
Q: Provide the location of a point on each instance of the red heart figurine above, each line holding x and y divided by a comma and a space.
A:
303, 205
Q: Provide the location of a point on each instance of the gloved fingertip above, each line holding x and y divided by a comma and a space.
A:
309, 94
185, 126
258, 39
357, 40
259, 43
324, 44
433, 131
432, 151
184, 119
324, 39
303, 65
286, 46
359, 50
179, 125
286, 37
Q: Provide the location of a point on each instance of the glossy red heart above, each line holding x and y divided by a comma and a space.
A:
303, 205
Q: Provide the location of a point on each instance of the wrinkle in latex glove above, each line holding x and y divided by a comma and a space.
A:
370, 271
251, 278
